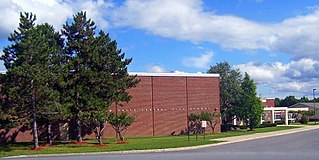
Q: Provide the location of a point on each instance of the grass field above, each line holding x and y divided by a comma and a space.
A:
136, 143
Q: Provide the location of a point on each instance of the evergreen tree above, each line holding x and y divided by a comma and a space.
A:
251, 106
230, 80
96, 74
79, 45
29, 70
108, 66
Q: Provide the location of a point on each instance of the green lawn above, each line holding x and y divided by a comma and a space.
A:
313, 123
137, 143
309, 123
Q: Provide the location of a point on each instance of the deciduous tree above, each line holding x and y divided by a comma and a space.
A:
213, 119
230, 90
251, 106
120, 122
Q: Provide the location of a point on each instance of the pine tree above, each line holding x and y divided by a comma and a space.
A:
29, 69
110, 83
80, 44
96, 74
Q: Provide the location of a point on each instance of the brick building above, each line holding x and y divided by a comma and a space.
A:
268, 102
160, 104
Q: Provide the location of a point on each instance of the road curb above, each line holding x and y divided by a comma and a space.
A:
264, 135
227, 140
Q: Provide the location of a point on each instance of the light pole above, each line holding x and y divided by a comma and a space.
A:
314, 104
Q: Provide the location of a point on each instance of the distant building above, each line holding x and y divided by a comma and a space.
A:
311, 107
268, 102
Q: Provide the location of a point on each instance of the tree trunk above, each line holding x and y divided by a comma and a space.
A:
34, 130
78, 129
49, 132
99, 133
34, 117
251, 127
120, 135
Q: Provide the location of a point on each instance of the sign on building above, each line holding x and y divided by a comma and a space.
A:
204, 124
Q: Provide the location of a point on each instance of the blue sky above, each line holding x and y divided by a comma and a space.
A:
276, 42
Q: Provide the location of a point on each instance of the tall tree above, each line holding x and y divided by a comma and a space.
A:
96, 74
111, 81
79, 45
251, 106
29, 69
230, 80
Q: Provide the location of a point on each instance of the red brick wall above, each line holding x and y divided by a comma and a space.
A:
169, 104
165, 100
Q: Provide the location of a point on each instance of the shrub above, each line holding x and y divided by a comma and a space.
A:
267, 124
228, 127
280, 122
304, 119
243, 127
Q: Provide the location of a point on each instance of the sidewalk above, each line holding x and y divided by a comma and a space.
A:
263, 135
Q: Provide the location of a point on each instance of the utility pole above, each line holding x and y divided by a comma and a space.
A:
314, 104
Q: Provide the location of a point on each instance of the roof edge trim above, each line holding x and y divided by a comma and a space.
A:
175, 74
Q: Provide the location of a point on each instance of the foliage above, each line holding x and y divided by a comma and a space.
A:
304, 119
251, 106
77, 95
213, 119
291, 100
29, 61
52, 78
264, 125
230, 90
96, 74
120, 122
194, 123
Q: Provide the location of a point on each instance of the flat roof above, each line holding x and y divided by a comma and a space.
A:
166, 74
174, 74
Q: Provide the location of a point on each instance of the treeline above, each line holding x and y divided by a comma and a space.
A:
72, 75
291, 100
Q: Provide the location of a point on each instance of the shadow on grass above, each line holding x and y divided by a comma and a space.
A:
7, 147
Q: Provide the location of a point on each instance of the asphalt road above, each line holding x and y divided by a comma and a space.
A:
297, 146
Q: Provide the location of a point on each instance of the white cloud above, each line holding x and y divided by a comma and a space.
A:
55, 12
156, 69
295, 77
199, 62
187, 20
95, 9
290, 87
264, 72
51, 11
